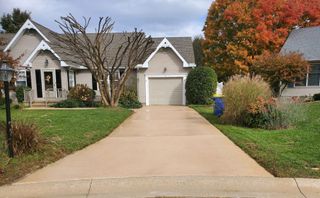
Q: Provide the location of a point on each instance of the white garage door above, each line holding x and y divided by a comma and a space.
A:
165, 91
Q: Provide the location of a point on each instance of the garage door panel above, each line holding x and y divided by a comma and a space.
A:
165, 91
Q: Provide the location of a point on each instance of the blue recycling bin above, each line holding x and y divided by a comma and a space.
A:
218, 106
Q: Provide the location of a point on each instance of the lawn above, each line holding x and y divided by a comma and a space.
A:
293, 152
65, 131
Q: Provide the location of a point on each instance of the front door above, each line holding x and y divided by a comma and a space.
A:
49, 82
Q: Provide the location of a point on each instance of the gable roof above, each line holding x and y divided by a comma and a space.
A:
182, 45
5, 38
44, 30
27, 25
305, 41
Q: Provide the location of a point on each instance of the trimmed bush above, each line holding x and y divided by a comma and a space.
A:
201, 85
129, 100
20, 93
82, 93
240, 92
26, 137
316, 97
72, 103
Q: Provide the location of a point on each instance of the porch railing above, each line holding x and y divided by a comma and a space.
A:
51, 96
61, 94
28, 96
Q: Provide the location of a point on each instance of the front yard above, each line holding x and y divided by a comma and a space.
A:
293, 152
64, 131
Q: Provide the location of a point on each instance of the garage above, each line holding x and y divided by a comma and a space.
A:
166, 91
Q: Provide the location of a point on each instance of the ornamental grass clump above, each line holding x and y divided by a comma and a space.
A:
26, 137
240, 92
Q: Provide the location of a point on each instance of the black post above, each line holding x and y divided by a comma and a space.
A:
8, 113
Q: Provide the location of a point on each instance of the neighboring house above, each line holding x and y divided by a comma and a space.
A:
307, 42
160, 79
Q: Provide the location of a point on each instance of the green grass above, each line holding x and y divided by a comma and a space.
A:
293, 152
65, 131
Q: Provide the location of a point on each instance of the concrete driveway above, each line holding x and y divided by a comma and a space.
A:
155, 141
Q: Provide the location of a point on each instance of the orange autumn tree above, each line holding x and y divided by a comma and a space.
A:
236, 31
11, 61
281, 69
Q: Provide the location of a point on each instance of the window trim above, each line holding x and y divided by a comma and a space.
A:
307, 79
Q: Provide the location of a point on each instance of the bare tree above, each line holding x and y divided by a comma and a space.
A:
101, 54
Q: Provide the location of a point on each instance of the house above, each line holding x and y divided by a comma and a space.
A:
307, 42
159, 80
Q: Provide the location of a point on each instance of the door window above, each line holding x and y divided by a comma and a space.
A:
48, 81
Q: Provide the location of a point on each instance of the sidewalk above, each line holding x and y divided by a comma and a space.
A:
188, 186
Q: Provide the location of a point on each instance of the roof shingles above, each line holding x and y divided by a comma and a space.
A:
305, 41
182, 44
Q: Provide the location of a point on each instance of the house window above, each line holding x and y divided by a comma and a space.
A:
314, 75
71, 78
21, 78
301, 83
312, 79
121, 71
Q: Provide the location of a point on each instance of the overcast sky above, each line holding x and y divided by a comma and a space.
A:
155, 17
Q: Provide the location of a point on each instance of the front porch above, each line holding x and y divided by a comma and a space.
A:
31, 99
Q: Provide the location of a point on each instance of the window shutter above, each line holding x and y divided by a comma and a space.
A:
29, 84
94, 83
39, 84
58, 78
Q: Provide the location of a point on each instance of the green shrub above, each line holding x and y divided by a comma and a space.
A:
69, 103
239, 92
20, 93
129, 99
274, 114
72, 103
200, 85
264, 113
82, 93
316, 97
26, 137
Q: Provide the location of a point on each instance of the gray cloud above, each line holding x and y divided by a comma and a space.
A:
155, 17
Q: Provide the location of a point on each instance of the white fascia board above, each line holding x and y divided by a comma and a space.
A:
27, 25
164, 44
42, 46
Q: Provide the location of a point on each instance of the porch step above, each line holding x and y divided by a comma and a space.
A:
41, 103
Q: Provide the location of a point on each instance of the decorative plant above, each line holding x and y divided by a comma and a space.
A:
81, 93
200, 85
26, 137
129, 99
239, 92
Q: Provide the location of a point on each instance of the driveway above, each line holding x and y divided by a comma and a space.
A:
155, 141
